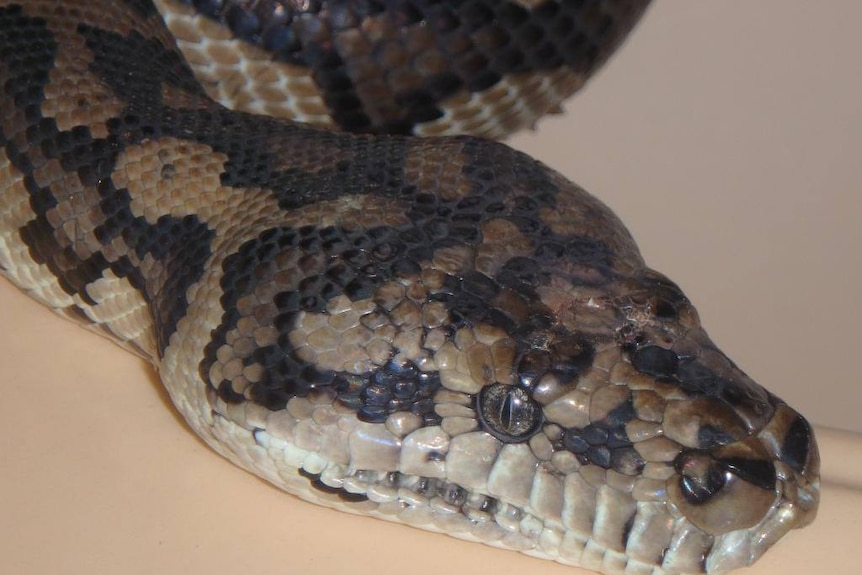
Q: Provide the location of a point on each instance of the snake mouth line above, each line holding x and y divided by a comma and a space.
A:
431, 503
387, 487
425, 501
438, 495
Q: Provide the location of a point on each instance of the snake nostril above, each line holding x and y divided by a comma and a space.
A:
700, 479
725, 489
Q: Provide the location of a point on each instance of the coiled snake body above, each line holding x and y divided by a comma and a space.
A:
439, 331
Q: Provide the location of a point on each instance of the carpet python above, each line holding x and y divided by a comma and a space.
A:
437, 331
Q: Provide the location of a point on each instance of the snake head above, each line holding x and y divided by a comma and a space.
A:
497, 362
679, 459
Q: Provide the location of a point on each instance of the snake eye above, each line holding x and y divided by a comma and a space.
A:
723, 490
508, 412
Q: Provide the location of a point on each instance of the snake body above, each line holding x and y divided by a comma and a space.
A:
437, 331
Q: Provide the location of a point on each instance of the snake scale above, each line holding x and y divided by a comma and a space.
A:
437, 331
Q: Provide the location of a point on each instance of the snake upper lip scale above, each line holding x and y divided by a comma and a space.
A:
436, 331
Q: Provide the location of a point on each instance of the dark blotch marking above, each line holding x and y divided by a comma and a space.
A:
316, 483
566, 359
391, 388
454, 495
702, 476
143, 8
796, 445
181, 246
492, 39
356, 263
656, 361
522, 275
575, 442
571, 356
76, 313
627, 530
620, 416
627, 460
533, 365
709, 436
113, 54
599, 455
663, 296
605, 444
595, 435
255, 146
755, 471
697, 378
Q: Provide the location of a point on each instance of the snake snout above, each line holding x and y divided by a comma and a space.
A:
789, 439
722, 490
748, 494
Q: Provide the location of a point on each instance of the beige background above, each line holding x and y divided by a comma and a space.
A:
726, 134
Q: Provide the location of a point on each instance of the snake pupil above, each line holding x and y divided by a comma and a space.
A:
506, 411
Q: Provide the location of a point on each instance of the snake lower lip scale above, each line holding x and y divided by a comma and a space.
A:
437, 331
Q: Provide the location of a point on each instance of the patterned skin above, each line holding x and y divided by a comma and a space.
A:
442, 332
481, 67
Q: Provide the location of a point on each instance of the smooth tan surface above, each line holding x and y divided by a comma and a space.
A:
726, 135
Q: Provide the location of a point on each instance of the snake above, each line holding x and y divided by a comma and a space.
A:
269, 201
